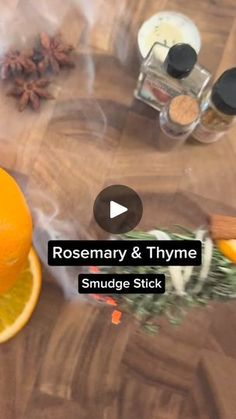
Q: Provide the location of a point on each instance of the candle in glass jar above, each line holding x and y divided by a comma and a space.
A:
168, 28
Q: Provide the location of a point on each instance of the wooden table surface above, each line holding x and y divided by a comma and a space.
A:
70, 361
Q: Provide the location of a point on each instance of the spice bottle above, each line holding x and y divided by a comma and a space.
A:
177, 74
218, 109
177, 121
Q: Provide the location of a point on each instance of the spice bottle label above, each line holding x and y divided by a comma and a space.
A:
155, 93
206, 135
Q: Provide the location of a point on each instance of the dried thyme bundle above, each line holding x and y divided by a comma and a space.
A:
185, 286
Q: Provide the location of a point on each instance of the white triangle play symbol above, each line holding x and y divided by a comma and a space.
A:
116, 209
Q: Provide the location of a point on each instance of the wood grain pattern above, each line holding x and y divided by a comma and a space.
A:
70, 361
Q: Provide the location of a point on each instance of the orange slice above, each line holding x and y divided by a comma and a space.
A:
17, 304
228, 249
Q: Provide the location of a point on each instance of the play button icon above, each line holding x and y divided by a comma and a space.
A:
118, 209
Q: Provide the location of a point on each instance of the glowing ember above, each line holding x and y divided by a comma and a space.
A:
110, 301
103, 299
116, 317
94, 270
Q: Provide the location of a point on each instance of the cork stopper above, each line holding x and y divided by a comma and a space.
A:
184, 110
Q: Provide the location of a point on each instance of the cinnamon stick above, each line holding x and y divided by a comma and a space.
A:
222, 227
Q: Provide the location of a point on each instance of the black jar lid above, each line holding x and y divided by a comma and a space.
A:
224, 92
180, 60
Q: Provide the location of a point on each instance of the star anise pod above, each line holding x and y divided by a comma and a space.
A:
15, 62
30, 92
54, 53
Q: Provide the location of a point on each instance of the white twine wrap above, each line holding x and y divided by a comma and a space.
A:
181, 275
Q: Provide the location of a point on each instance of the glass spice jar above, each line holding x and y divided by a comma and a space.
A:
161, 79
177, 121
218, 109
